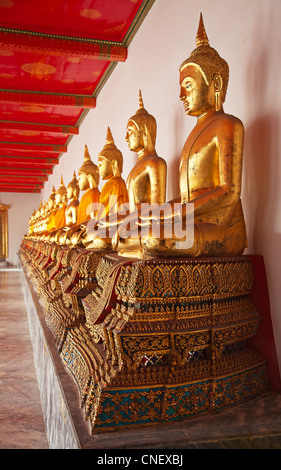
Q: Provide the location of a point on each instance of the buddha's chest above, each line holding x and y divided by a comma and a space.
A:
139, 187
199, 166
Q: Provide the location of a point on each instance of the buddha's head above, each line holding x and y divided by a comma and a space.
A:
51, 200
141, 130
61, 193
41, 209
88, 175
203, 77
73, 190
110, 159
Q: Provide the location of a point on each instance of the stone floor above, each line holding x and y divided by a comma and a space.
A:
21, 418
253, 425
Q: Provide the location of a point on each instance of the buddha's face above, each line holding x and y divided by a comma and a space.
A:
83, 181
58, 198
50, 204
69, 192
197, 97
134, 137
105, 168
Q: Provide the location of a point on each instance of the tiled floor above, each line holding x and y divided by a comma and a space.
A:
21, 418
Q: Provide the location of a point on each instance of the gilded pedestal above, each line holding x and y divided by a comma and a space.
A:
165, 339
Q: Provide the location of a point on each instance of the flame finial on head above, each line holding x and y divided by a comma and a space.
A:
73, 183
110, 151
140, 100
109, 138
62, 188
86, 154
201, 37
88, 167
53, 193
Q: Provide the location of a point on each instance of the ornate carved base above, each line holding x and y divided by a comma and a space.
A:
113, 407
164, 340
150, 341
70, 281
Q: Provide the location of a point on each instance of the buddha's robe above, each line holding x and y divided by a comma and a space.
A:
91, 196
51, 222
114, 193
72, 207
60, 217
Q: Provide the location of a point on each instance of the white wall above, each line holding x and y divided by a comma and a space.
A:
247, 35
22, 206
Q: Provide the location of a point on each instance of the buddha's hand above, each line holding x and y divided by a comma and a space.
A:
91, 228
155, 213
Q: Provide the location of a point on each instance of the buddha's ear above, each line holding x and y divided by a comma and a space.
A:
91, 180
115, 168
217, 80
148, 144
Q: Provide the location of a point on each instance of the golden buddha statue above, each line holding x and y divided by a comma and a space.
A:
210, 164
72, 193
45, 214
88, 180
31, 224
113, 195
51, 211
57, 219
146, 183
61, 203
71, 211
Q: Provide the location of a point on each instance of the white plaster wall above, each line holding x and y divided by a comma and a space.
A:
22, 206
247, 34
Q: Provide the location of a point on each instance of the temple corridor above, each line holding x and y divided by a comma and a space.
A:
21, 418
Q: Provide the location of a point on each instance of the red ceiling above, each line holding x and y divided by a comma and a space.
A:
55, 55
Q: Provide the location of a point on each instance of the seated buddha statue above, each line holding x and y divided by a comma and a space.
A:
72, 193
71, 211
61, 203
113, 195
35, 222
43, 220
146, 183
51, 211
210, 163
59, 211
31, 224
88, 180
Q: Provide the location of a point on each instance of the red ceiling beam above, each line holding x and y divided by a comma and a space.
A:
61, 46
14, 146
21, 186
44, 172
48, 99
49, 128
27, 162
19, 179
17, 190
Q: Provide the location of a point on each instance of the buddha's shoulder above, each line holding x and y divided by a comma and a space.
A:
228, 120
155, 161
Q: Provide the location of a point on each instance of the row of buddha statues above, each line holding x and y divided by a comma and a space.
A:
209, 178
153, 328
